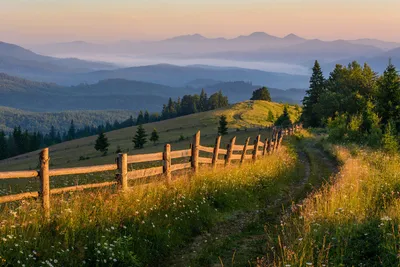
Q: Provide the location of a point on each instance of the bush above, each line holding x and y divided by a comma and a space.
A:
389, 139
337, 128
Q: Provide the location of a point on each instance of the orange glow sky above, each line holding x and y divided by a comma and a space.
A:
41, 21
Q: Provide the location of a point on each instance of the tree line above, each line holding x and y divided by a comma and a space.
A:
355, 104
20, 142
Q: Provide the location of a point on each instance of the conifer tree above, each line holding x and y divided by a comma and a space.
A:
271, 117
389, 96
3, 146
284, 119
139, 139
146, 117
154, 136
223, 125
140, 118
102, 143
203, 103
71, 131
317, 87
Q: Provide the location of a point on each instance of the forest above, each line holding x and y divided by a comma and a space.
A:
355, 104
21, 141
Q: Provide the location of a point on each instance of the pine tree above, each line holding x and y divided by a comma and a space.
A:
271, 117
146, 117
223, 129
284, 119
154, 136
389, 96
139, 139
261, 94
140, 118
203, 103
102, 143
317, 87
71, 131
171, 109
3, 146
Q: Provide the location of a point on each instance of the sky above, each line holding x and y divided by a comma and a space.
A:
48, 21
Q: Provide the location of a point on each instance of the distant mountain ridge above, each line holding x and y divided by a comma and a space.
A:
119, 94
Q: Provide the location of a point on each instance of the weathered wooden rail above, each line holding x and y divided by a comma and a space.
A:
233, 152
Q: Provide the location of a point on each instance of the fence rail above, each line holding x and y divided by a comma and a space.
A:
257, 149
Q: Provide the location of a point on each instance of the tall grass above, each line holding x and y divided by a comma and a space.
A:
351, 221
142, 227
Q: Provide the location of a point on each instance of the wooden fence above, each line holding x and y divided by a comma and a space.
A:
259, 148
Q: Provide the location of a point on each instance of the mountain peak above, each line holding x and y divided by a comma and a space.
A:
189, 37
293, 36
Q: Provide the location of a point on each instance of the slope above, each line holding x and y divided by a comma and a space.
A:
240, 117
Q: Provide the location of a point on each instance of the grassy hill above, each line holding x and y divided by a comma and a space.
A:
249, 114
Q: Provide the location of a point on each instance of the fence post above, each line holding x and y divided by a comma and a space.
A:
195, 152
230, 151
265, 147
280, 138
244, 150
167, 163
216, 151
269, 146
255, 150
45, 182
276, 140
123, 171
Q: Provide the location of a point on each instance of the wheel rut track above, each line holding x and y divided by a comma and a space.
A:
237, 223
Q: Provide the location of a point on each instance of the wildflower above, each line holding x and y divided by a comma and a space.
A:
386, 218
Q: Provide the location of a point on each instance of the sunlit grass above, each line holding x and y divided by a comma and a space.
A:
140, 227
353, 220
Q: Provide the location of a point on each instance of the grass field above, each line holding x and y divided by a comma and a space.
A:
148, 224
352, 220
143, 227
240, 116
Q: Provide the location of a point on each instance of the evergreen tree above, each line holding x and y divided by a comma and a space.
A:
71, 131
52, 135
223, 125
389, 96
139, 139
317, 87
171, 109
102, 143
178, 107
261, 94
146, 117
271, 116
217, 100
284, 119
140, 118
4, 153
154, 136
203, 103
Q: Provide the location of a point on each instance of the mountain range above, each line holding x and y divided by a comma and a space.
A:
258, 46
118, 94
18, 61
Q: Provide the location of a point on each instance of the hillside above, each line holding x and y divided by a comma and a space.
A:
241, 115
42, 121
17, 60
120, 94
24, 94
240, 91
178, 76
